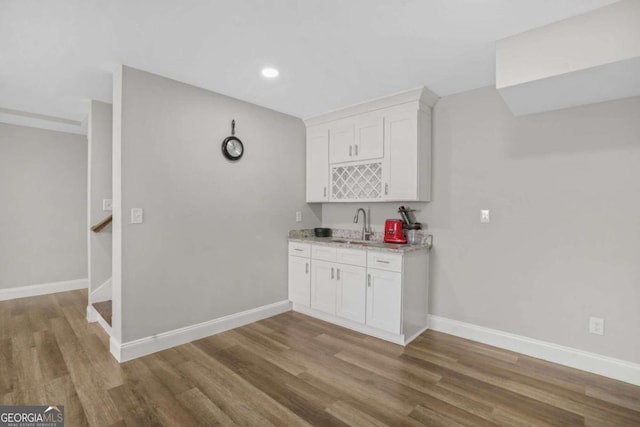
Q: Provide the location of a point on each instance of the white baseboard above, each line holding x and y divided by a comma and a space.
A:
94, 316
114, 348
349, 324
416, 335
143, 346
591, 362
42, 289
103, 323
102, 292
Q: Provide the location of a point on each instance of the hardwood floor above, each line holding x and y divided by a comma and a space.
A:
104, 309
290, 370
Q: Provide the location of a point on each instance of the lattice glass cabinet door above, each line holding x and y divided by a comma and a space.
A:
356, 182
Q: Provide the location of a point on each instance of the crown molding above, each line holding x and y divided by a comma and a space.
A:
42, 121
422, 96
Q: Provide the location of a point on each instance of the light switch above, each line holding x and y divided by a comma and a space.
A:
136, 216
596, 325
107, 205
485, 218
299, 216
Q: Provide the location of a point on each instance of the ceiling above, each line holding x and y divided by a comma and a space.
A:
55, 55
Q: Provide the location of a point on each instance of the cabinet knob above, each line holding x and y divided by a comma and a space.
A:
306, 268
356, 149
368, 280
338, 274
332, 275
350, 151
386, 189
325, 191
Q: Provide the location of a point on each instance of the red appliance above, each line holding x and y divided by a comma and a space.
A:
393, 231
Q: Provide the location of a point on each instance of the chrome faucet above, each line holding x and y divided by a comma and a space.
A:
366, 228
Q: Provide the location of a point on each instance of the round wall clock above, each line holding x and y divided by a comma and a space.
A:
232, 147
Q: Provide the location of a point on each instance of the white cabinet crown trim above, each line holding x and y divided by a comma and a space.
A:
421, 95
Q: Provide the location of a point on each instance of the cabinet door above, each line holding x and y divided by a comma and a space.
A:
341, 142
317, 164
300, 280
369, 136
384, 300
323, 286
352, 288
400, 172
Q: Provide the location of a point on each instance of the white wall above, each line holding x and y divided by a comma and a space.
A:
564, 192
43, 208
583, 60
214, 238
599, 37
340, 215
100, 164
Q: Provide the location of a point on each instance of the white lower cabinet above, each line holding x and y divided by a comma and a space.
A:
375, 292
323, 286
351, 302
300, 280
384, 300
300, 273
339, 289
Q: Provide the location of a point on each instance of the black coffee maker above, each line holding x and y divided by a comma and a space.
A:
409, 224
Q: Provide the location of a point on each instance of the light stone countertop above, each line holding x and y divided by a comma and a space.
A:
358, 244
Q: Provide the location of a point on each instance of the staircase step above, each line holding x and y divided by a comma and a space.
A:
104, 309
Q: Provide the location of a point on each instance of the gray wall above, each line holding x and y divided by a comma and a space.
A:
214, 238
43, 206
100, 154
564, 192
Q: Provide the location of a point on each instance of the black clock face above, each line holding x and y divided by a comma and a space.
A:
232, 148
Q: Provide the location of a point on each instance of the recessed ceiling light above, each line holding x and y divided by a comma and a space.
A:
270, 73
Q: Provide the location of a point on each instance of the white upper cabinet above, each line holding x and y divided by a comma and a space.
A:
407, 161
317, 164
356, 138
369, 134
341, 141
378, 151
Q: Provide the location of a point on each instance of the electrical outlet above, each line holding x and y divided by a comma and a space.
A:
299, 216
485, 217
107, 205
136, 216
596, 325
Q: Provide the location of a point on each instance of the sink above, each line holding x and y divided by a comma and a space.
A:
350, 242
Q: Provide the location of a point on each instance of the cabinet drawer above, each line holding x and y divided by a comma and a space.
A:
324, 253
384, 261
352, 257
300, 249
